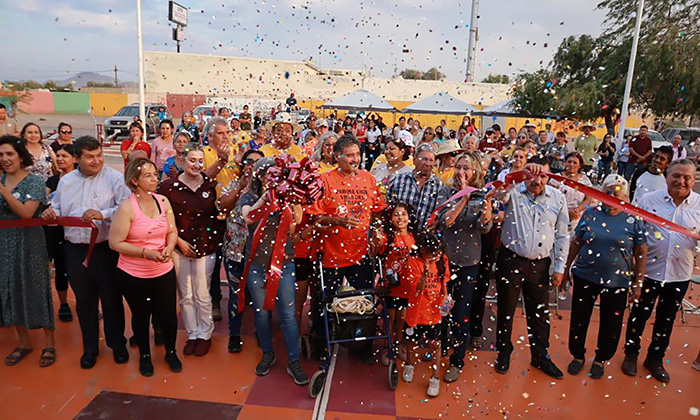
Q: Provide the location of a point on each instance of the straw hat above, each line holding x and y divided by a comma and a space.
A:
283, 118
589, 125
449, 146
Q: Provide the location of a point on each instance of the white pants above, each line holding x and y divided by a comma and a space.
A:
193, 279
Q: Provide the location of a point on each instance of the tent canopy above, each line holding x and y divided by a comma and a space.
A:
359, 100
441, 103
507, 109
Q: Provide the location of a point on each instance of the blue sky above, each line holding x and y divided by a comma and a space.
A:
54, 39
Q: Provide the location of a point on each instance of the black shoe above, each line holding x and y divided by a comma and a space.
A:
64, 313
575, 367
629, 365
263, 368
366, 356
158, 337
597, 370
216, 311
235, 345
502, 364
657, 370
173, 361
548, 367
121, 355
146, 365
132, 341
87, 361
295, 370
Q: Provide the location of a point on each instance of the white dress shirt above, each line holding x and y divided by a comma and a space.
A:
537, 227
671, 255
77, 193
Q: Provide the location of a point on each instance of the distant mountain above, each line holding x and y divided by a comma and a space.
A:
81, 79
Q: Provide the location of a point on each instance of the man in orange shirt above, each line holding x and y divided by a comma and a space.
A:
350, 200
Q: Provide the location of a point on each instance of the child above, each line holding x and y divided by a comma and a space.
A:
426, 274
397, 244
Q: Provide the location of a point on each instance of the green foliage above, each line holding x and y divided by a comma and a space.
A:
21, 86
496, 78
100, 85
53, 87
430, 74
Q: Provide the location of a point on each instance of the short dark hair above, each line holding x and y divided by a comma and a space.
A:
167, 121
84, 143
68, 148
401, 145
26, 158
644, 126
666, 150
64, 124
496, 127
578, 156
2, 106
344, 142
135, 124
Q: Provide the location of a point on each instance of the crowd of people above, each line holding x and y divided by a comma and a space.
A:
196, 200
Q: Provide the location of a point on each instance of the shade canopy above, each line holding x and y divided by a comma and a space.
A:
508, 108
440, 103
359, 100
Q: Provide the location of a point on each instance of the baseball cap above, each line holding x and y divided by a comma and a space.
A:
406, 137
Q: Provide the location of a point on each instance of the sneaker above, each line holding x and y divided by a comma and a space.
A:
408, 373
121, 355
597, 370
548, 367
64, 313
657, 370
477, 343
263, 368
295, 370
235, 345
173, 361
385, 357
433, 387
575, 367
502, 364
146, 365
452, 374
216, 311
629, 365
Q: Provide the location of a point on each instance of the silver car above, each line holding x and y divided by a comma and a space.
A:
120, 122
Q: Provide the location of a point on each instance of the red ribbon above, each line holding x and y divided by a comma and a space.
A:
601, 196
289, 183
60, 221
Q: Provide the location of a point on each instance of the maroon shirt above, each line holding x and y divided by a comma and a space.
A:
640, 145
195, 213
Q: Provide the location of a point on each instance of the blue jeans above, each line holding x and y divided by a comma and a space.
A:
284, 305
234, 271
462, 290
603, 170
629, 170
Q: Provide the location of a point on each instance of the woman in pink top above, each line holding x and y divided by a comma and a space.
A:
163, 147
143, 232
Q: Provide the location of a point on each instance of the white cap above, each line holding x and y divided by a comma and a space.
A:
406, 137
321, 123
615, 179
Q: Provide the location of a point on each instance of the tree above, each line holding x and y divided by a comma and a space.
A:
17, 86
53, 87
588, 74
497, 78
433, 74
430, 74
411, 74
100, 85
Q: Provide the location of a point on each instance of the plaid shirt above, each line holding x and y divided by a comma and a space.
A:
404, 189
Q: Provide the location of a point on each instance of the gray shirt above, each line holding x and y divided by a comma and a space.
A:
463, 239
537, 227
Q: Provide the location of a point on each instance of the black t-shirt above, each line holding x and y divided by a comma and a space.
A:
52, 182
291, 102
245, 116
610, 149
257, 121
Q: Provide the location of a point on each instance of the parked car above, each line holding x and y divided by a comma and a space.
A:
688, 134
657, 140
301, 115
120, 122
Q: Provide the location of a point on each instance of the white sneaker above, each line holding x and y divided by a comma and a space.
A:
434, 387
408, 373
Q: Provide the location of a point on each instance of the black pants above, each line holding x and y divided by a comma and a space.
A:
613, 302
371, 154
489, 250
54, 245
456, 324
155, 296
514, 273
97, 281
670, 295
215, 284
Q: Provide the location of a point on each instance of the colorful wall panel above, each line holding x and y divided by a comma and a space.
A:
71, 103
177, 104
37, 102
107, 104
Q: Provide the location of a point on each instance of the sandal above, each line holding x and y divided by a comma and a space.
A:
477, 343
16, 356
48, 357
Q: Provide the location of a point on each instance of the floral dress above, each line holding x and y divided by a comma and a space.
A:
42, 166
25, 279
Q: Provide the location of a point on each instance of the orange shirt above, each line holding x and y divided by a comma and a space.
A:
356, 196
309, 247
396, 258
423, 309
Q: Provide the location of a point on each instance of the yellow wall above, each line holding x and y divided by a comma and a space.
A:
106, 104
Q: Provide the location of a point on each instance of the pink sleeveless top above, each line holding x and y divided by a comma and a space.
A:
148, 233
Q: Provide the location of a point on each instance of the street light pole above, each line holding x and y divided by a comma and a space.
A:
142, 92
630, 72
473, 38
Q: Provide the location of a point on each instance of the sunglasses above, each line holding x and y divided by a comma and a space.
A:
522, 137
66, 131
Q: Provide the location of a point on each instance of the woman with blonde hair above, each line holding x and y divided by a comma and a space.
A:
323, 153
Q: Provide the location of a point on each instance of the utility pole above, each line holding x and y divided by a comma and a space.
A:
473, 40
630, 72
116, 80
142, 81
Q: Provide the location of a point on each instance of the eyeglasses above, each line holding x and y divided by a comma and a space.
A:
66, 131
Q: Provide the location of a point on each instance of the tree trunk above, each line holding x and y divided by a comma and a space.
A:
610, 124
